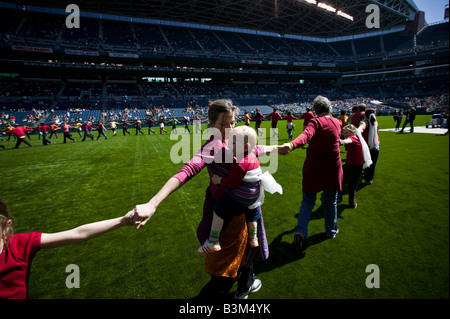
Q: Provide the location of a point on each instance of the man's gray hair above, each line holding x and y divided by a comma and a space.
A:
322, 105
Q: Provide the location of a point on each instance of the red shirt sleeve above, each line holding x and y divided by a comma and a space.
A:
234, 178
307, 134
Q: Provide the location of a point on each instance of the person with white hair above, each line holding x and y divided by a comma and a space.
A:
322, 170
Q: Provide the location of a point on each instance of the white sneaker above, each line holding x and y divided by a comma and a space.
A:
333, 235
254, 288
209, 247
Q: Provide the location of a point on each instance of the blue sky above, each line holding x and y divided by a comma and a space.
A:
434, 9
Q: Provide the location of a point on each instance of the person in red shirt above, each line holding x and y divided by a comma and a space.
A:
322, 170
289, 124
275, 116
87, 131
18, 250
356, 160
27, 130
101, 130
42, 128
150, 124
138, 126
358, 114
307, 117
20, 133
258, 118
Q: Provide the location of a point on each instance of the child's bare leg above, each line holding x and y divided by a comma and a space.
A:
253, 233
216, 228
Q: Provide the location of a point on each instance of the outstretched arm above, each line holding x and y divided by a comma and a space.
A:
142, 213
84, 232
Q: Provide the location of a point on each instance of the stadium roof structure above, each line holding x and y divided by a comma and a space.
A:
297, 17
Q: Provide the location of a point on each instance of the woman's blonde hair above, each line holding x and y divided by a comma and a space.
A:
350, 128
4, 217
220, 106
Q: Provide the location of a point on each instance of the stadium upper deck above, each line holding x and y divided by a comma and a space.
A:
103, 63
289, 17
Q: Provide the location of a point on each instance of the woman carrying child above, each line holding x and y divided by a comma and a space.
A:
230, 263
244, 186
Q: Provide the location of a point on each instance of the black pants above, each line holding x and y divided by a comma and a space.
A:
411, 123
45, 141
352, 176
53, 132
20, 140
399, 121
67, 135
87, 134
219, 287
369, 172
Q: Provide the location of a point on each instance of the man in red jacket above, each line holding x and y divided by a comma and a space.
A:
258, 118
275, 116
42, 128
20, 133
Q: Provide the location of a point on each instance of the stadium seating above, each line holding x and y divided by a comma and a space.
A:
88, 97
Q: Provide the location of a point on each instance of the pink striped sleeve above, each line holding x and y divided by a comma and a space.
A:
190, 169
197, 163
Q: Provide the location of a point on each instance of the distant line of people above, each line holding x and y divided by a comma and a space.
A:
85, 130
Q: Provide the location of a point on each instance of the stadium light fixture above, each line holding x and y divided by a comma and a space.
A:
326, 7
329, 8
344, 15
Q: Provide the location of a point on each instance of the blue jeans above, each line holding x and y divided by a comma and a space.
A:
329, 202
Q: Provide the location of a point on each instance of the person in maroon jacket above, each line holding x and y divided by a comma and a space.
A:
306, 117
42, 128
275, 116
322, 169
101, 130
289, 124
150, 124
258, 118
20, 133
87, 131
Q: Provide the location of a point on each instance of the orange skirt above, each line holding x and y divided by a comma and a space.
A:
233, 240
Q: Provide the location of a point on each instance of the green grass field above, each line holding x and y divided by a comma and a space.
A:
401, 223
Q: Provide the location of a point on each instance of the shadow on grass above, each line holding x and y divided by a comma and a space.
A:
282, 253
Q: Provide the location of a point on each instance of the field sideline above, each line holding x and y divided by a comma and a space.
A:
401, 223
